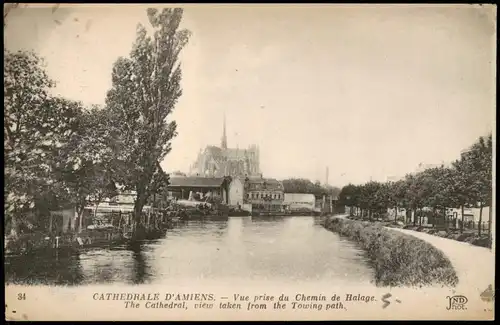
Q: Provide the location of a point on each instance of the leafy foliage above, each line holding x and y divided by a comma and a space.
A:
36, 127
467, 183
89, 165
59, 153
145, 89
302, 185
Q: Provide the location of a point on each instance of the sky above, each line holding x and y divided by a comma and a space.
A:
370, 92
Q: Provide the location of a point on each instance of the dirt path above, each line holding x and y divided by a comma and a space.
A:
475, 266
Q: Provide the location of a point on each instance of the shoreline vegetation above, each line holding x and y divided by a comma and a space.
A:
398, 259
70, 155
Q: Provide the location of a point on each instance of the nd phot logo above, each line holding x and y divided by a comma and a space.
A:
457, 302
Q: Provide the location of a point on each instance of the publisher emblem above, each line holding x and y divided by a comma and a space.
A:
457, 302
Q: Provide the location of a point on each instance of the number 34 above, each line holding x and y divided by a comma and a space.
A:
21, 296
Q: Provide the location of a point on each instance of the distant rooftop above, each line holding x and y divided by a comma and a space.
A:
195, 181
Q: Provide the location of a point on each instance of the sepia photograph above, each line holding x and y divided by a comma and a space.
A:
249, 162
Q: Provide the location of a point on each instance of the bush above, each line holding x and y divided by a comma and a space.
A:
483, 242
398, 259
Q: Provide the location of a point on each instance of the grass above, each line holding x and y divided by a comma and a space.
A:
398, 259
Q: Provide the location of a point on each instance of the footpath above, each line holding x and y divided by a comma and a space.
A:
474, 265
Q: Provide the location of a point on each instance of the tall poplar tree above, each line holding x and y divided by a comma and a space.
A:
145, 89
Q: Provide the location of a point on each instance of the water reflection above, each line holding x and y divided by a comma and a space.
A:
140, 272
44, 269
241, 248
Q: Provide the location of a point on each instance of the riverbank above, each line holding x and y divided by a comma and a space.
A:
399, 259
476, 277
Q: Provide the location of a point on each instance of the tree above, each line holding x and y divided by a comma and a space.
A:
440, 189
477, 164
145, 89
302, 185
36, 125
463, 186
90, 164
398, 196
374, 198
347, 197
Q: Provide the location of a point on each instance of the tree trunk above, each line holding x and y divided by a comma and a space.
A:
95, 210
463, 219
395, 214
140, 201
415, 216
369, 214
433, 217
80, 218
490, 211
51, 221
480, 218
445, 219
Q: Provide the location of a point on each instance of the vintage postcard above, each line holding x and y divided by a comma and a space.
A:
249, 162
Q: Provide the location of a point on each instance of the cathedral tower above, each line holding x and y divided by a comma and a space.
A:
224, 137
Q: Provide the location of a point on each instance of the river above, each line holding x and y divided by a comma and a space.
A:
242, 249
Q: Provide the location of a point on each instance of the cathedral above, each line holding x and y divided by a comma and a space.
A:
223, 161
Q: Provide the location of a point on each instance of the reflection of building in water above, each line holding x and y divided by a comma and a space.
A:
223, 161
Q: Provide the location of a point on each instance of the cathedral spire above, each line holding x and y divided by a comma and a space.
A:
224, 137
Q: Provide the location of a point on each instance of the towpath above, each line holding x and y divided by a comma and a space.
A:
474, 265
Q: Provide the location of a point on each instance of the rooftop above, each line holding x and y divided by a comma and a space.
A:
195, 181
264, 183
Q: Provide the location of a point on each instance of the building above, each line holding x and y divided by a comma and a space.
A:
470, 214
266, 195
222, 161
299, 202
183, 187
